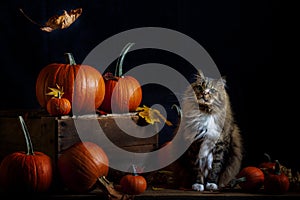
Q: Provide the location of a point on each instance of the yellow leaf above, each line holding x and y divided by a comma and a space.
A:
151, 115
157, 188
56, 92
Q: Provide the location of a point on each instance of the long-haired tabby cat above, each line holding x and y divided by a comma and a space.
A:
214, 157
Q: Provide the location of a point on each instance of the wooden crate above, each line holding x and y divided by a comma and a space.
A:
52, 135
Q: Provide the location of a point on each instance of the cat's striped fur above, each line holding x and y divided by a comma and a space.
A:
215, 155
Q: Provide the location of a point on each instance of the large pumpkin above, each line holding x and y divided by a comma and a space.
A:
83, 85
81, 165
122, 93
29, 171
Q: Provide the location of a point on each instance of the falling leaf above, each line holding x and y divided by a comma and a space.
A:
58, 21
151, 115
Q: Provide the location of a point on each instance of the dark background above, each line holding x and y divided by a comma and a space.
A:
248, 40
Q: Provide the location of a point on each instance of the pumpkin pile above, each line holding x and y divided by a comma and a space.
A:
83, 85
81, 89
86, 89
268, 177
84, 166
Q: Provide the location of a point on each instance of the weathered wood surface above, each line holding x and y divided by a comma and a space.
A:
52, 135
168, 194
89, 130
33, 113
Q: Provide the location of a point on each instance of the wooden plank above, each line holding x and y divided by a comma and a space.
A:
162, 195
33, 113
171, 194
48, 137
89, 131
52, 135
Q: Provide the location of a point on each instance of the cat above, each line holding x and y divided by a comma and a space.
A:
215, 155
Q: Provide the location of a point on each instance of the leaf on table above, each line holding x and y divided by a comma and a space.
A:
58, 21
108, 188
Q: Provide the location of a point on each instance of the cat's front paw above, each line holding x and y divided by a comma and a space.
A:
198, 187
211, 186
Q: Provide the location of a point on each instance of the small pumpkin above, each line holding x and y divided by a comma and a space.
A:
268, 164
133, 184
276, 182
57, 105
122, 93
250, 178
83, 84
81, 165
30, 171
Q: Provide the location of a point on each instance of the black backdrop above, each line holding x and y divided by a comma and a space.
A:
238, 35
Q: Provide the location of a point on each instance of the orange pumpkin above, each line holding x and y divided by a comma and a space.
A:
57, 105
267, 165
30, 171
83, 84
124, 93
276, 182
133, 184
251, 178
81, 165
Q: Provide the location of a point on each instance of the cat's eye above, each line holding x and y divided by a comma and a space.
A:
212, 90
199, 87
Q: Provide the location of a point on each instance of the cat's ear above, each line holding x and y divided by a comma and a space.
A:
222, 81
200, 76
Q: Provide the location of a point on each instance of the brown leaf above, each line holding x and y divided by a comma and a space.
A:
58, 21
109, 189
62, 21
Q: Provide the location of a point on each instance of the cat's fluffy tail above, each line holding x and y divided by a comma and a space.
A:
234, 161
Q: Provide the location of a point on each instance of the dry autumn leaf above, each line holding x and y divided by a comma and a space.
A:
151, 115
58, 21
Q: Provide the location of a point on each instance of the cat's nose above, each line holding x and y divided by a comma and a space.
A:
206, 92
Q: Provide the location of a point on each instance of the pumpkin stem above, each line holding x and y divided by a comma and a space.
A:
134, 172
277, 168
59, 95
268, 157
119, 67
178, 110
27, 137
70, 59
236, 181
56, 92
